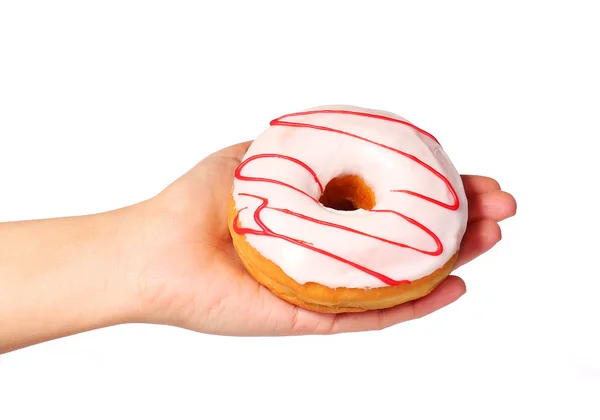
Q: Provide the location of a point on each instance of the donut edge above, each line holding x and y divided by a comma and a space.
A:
319, 298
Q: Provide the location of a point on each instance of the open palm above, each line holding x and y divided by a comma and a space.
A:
195, 280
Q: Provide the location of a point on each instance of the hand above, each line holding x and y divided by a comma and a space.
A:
170, 260
193, 278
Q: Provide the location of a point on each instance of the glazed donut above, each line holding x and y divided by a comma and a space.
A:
346, 209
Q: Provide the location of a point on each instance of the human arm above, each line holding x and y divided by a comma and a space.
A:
67, 275
170, 260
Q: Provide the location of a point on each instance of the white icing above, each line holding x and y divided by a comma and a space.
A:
330, 155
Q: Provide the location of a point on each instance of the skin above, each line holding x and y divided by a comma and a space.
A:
169, 260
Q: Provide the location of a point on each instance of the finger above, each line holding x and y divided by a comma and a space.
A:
476, 184
447, 292
236, 151
495, 205
479, 238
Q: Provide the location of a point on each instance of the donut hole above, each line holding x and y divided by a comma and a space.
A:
348, 193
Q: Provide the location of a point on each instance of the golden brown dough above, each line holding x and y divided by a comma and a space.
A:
319, 298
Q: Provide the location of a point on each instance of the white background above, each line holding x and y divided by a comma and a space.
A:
102, 104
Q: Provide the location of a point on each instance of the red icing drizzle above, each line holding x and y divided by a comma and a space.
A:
266, 231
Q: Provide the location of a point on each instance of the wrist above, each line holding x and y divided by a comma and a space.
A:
118, 248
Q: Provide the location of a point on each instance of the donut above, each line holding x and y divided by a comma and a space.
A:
347, 209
